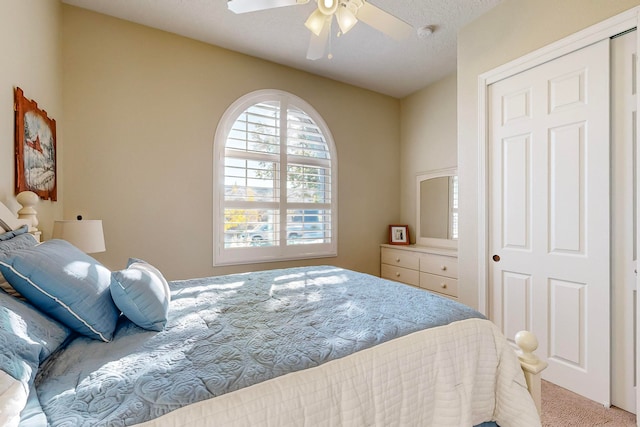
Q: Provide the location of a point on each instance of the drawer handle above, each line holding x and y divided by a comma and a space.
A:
443, 285
398, 274
398, 259
443, 267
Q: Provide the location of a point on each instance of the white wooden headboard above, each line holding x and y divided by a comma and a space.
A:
26, 215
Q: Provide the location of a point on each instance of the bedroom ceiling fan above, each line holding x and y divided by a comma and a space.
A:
347, 13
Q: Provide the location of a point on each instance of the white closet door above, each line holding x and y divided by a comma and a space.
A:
549, 214
623, 137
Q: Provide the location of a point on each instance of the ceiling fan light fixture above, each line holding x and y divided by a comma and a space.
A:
346, 19
315, 22
328, 7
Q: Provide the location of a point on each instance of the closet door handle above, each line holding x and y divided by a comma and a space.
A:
496, 258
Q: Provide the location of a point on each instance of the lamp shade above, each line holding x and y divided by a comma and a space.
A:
346, 19
316, 21
85, 234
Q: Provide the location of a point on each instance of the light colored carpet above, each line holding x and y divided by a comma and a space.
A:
562, 408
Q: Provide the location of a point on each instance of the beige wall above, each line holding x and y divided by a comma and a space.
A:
30, 51
428, 140
141, 109
512, 29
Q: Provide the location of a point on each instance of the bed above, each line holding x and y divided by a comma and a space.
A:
315, 345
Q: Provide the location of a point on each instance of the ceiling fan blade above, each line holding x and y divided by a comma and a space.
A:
383, 21
244, 6
318, 44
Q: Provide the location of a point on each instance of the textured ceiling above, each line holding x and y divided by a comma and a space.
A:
363, 57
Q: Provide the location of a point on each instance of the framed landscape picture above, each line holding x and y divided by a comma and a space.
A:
35, 147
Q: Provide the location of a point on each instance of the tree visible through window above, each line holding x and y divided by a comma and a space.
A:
275, 191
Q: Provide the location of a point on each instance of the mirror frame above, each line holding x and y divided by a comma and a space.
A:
432, 241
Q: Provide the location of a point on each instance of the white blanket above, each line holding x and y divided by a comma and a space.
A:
13, 398
461, 374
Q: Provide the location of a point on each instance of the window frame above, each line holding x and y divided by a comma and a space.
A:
250, 255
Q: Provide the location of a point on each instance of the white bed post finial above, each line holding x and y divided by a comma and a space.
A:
532, 366
28, 199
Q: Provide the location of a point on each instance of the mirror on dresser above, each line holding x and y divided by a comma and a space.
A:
432, 263
437, 208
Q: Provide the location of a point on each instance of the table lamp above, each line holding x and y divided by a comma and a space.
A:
85, 234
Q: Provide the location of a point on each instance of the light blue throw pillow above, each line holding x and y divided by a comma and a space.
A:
13, 233
18, 241
143, 295
65, 283
10, 242
27, 338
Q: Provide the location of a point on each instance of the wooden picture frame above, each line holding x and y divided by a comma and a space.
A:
398, 234
35, 148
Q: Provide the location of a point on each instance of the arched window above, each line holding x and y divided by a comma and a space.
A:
275, 171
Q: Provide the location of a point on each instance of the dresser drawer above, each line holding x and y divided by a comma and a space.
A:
399, 274
403, 259
443, 285
440, 265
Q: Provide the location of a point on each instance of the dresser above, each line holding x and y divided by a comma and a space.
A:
430, 268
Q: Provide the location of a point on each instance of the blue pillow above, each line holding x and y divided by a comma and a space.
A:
143, 295
65, 283
19, 239
27, 338
13, 233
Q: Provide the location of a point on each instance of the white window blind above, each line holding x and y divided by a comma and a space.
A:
453, 203
275, 193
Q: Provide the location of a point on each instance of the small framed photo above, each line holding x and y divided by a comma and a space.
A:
398, 234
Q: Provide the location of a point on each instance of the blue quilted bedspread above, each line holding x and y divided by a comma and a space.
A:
229, 332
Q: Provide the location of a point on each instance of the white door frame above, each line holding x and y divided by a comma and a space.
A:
603, 30
606, 29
